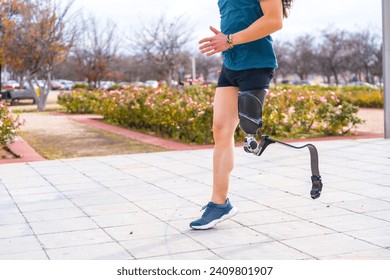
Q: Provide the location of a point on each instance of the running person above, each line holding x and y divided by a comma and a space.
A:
248, 65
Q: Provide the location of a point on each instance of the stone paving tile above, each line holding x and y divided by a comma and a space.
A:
33, 255
38, 197
374, 192
55, 214
322, 246
141, 231
218, 238
161, 246
196, 255
316, 211
25, 244
292, 229
350, 222
379, 254
183, 225
377, 236
74, 238
261, 251
111, 209
33, 190
134, 218
16, 230
98, 200
263, 217
382, 215
168, 203
188, 213
364, 205
106, 251
11, 218
78, 186
57, 226
45, 205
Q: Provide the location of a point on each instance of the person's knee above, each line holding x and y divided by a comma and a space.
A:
222, 131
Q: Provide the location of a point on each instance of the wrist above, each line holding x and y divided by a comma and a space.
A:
229, 41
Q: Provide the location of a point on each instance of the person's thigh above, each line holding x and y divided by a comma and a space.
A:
225, 118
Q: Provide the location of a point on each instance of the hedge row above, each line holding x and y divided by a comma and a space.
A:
186, 114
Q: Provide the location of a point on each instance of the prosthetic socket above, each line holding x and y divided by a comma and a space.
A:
250, 112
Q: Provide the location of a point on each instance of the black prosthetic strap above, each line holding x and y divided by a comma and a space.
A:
250, 110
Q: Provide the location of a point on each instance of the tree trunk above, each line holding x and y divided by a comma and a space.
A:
1, 70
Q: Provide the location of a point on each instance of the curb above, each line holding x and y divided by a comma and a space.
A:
25, 152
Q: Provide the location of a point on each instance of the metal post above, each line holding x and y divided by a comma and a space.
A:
193, 68
386, 64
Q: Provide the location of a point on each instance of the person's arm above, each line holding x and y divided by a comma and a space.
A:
271, 21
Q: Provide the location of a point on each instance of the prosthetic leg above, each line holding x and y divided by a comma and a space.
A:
250, 112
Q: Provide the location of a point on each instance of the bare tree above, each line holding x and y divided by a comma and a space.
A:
9, 9
207, 64
160, 45
332, 54
283, 52
302, 56
363, 46
377, 68
40, 40
94, 51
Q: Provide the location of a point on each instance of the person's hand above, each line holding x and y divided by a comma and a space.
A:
216, 44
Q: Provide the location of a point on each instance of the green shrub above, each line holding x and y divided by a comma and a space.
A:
80, 101
81, 86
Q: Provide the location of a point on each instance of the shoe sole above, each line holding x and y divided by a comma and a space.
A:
231, 213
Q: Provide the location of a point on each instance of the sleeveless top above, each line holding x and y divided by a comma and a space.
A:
237, 15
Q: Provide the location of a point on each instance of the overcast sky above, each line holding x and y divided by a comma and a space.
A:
306, 15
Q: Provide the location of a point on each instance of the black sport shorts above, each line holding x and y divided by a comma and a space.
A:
251, 79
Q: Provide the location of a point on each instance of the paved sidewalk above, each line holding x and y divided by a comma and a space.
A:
139, 206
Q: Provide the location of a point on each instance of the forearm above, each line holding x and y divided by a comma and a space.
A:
261, 28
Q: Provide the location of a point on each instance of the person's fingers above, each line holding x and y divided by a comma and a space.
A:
204, 46
208, 39
216, 31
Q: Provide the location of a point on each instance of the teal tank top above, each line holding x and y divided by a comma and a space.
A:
237, 15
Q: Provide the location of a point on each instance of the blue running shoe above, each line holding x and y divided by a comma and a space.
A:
214, 214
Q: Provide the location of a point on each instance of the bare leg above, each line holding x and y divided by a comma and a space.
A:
225, 121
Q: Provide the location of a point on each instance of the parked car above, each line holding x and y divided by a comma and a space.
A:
360, 84
57, 85
11, 84
17, 94
68, 85
138, 84
302, 82
106, 84
151, 83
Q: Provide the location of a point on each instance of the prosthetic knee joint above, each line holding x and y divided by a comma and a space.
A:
250, 112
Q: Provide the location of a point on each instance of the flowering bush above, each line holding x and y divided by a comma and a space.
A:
186, 114
295, 111
80, 101
9, 125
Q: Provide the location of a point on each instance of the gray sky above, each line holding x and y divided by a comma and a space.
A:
306, 15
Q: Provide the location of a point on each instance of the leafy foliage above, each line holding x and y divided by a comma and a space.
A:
186, 114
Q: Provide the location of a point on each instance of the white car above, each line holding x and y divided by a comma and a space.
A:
151, 83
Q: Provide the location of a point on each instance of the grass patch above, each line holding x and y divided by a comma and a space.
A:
92, 142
